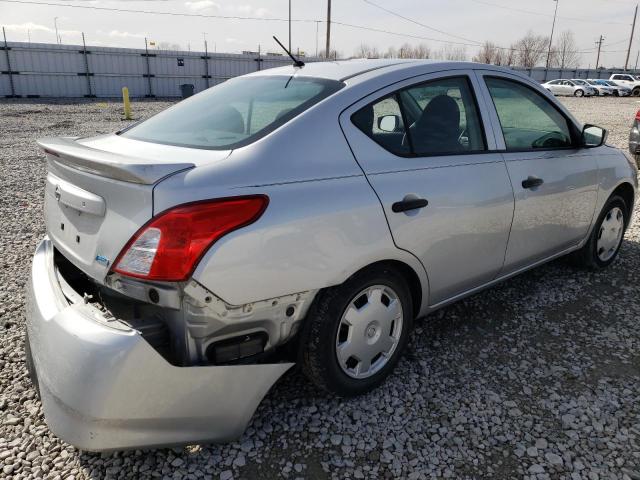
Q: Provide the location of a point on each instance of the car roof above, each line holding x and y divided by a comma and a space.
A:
343, 70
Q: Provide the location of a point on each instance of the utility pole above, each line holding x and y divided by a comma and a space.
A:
289, 25
317, 24
328, 49
633, 29
637, 58
599, 43
55, 24
553, 27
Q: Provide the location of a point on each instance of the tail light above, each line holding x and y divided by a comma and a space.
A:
638, 115
169, 247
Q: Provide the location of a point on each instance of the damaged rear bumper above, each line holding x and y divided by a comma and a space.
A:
103, 387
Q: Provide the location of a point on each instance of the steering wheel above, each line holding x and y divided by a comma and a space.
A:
550, 140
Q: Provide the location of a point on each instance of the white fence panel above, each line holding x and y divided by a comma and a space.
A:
50, 70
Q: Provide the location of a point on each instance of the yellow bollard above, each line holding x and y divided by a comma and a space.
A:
127, 104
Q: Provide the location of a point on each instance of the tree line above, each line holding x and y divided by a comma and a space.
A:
529, 51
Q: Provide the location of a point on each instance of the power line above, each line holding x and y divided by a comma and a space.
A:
530, 12
395, 14
155, 12
236, 17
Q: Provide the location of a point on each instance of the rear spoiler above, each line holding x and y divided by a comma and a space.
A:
68, 152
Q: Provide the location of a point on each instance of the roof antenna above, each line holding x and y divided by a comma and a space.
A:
296, 62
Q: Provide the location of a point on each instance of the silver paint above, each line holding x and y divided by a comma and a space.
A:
331, 189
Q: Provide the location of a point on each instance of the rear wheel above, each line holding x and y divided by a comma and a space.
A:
636, 92
605, 240
355, 334
579, 93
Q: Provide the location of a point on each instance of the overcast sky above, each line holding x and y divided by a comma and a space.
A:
464, 21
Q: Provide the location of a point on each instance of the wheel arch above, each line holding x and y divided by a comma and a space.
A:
408, 273
628, 194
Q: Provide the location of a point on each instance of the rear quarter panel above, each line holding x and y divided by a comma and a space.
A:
323, 222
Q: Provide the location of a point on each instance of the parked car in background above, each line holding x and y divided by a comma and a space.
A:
298, 214
568, 87
627, 80
602, 89
618, 90
583, 83
634, 138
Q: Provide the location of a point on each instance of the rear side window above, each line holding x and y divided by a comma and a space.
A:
528, 120
234, 113
442, 118
383, 122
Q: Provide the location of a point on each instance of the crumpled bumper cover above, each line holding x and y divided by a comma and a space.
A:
104, 387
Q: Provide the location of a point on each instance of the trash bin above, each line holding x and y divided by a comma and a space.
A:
186, 89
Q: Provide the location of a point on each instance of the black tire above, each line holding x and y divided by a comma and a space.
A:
636, 92
579, 93
587, 256
317, 345
31, 368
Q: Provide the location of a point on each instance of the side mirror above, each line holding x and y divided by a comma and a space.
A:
388, 123
593, 136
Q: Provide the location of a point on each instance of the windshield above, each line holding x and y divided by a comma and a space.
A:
580, 82
234, 113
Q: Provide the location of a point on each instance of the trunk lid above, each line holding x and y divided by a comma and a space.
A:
99, 192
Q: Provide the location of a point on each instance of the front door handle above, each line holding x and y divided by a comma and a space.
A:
409, 204
532, 182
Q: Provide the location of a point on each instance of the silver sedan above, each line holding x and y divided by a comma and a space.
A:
302, 214
570, 87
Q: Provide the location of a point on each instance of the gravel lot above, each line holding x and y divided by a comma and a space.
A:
538, 377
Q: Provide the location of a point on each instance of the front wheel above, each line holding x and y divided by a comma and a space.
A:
579, 93
604, 243
355, 333
636, 92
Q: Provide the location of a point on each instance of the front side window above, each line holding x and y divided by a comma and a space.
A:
528, 120
441, 115
234, 113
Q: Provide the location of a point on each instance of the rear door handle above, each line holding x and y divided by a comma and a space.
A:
532, 182
410, 204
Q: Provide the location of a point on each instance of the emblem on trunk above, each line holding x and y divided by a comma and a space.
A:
102, 260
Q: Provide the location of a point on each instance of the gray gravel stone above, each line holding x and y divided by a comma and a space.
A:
545, 361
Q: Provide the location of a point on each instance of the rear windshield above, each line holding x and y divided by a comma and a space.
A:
234, 113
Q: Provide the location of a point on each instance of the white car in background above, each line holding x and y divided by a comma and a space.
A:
601, 88
583, 83
628, 81
568, 87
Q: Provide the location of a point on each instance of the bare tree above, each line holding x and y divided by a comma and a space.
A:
422, 51
450, 52
488, 53
391, 52
500, 57
565, 51
531, 49
366, 51
333, 54
509, 56
405, 51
